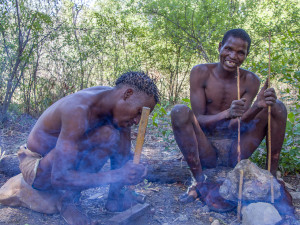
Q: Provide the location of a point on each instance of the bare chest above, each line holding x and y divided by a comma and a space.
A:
219, 95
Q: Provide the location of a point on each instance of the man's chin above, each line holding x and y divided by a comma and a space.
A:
229, 68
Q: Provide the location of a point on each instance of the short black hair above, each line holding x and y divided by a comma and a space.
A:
238, 33
140, 81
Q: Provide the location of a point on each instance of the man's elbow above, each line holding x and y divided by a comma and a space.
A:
58, 180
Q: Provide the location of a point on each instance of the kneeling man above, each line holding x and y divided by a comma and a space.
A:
207, 134
73, 139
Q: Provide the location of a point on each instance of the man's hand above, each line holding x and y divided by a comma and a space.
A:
132, 173
237, 108
266, 96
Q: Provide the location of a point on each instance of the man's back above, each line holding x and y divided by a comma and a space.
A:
47, 129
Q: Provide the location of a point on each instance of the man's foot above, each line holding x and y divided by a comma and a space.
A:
73, 216
127, 199
209, 194
216, 203
200, 190
191, 195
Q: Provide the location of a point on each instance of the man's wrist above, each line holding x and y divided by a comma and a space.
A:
256, 105
115, 176
227, 114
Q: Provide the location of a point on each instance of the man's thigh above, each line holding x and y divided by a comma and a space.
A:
252, 134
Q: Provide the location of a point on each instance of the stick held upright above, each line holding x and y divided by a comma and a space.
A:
141, 135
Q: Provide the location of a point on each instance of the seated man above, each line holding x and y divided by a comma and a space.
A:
207, 134
73, 139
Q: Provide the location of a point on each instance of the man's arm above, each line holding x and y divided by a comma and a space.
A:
118, 160
64, 174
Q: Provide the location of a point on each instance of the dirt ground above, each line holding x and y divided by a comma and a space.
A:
163, 198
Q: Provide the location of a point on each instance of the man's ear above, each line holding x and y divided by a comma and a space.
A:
128, 93
220, 46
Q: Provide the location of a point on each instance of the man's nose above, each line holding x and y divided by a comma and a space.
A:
233, 55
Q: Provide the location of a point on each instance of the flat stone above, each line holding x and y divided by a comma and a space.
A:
260, 213
130, 216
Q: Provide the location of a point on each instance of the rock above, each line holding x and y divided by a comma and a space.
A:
256, 183
295, 195
215, 222
216, 175
260, 213
182, 218
289, 187
278, 174
9, 165
205, 209
288, 221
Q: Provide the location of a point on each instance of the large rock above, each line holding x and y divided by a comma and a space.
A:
256, 183
260, 213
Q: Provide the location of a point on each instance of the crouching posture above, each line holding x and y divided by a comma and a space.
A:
207, 134
71, 142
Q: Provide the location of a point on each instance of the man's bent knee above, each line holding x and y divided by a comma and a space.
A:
281, 109
180, 115
105, 135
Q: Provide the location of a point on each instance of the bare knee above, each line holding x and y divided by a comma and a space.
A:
105, 135
280, 110
180, 115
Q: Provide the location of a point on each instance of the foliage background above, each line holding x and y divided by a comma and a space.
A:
53, 48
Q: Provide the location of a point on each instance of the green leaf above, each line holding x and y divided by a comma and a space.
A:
291, 117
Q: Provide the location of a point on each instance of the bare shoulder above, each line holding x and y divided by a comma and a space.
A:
201, 72
250, 78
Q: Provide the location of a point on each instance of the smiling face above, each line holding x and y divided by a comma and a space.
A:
128, 110
233, 53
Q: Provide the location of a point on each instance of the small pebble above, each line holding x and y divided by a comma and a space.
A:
205, 209
215, 222
183, 218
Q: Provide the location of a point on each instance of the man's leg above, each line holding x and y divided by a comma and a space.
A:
252, 138
118, 198
198, 153
98, 145
196, 149
256, 131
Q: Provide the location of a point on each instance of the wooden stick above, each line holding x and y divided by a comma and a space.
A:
239, 151
239, 119
269, 125
272, 189
240, 196
141, 135
269, 109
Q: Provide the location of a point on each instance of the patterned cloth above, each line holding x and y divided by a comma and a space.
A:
29, 162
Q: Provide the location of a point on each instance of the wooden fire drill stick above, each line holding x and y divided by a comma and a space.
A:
240, 196
141, 135
139, 145
269, 124
239, 153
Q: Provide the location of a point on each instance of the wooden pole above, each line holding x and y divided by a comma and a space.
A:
239, 119
240, 196
269, 110
269, 125
141, 135
239, 152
